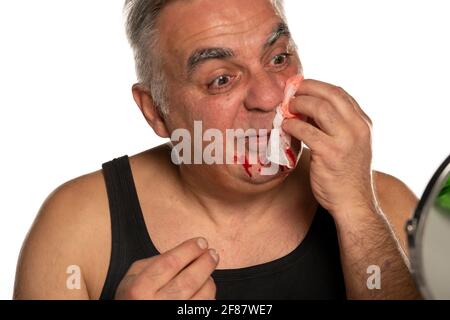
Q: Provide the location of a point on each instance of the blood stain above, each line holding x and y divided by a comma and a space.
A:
291, 155
247, 167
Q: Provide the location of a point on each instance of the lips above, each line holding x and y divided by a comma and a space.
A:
257, 143
243, 135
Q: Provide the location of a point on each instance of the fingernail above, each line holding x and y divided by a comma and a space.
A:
202, 243
214, 254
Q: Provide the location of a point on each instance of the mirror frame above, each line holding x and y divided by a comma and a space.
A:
414, 227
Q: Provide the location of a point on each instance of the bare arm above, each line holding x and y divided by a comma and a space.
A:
53, 257
373, 237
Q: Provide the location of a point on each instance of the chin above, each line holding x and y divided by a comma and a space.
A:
270, 179
263, 172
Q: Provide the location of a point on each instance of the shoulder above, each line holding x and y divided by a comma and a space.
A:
71, 223
397, 201
73, 228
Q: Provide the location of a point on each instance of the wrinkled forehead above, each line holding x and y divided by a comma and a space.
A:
188, 25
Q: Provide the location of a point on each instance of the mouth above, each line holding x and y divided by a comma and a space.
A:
256, 153
257, 143
254, 133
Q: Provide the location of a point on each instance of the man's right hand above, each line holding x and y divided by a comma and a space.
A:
181, 273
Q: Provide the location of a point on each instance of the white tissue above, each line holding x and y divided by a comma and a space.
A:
279, 142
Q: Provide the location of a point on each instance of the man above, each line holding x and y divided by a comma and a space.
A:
145, 229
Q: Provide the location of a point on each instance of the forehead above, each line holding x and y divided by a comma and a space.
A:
187, 24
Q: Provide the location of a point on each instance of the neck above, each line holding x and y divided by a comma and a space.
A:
240, 202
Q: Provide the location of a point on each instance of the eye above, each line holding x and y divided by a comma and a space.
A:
220, 82
281, 59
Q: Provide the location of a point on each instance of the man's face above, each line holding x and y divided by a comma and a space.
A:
239, 84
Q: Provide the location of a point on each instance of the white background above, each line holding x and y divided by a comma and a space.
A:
66, 106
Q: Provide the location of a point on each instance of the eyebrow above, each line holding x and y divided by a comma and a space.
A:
200, 56
280, 30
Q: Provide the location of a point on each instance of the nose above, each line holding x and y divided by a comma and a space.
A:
265, 92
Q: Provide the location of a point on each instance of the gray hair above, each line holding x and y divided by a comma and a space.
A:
143, 36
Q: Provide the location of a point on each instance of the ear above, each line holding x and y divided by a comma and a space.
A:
144, 100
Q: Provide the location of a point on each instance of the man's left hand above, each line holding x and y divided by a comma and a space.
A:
338, 132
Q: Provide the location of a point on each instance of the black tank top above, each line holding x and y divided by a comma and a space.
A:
311, 271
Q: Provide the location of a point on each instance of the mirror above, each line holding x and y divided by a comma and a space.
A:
429, 237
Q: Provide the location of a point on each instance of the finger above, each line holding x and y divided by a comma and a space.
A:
336, 96
207, 292
139, 265
191, 279
313, 137
321, 111
361, 111
167, 265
